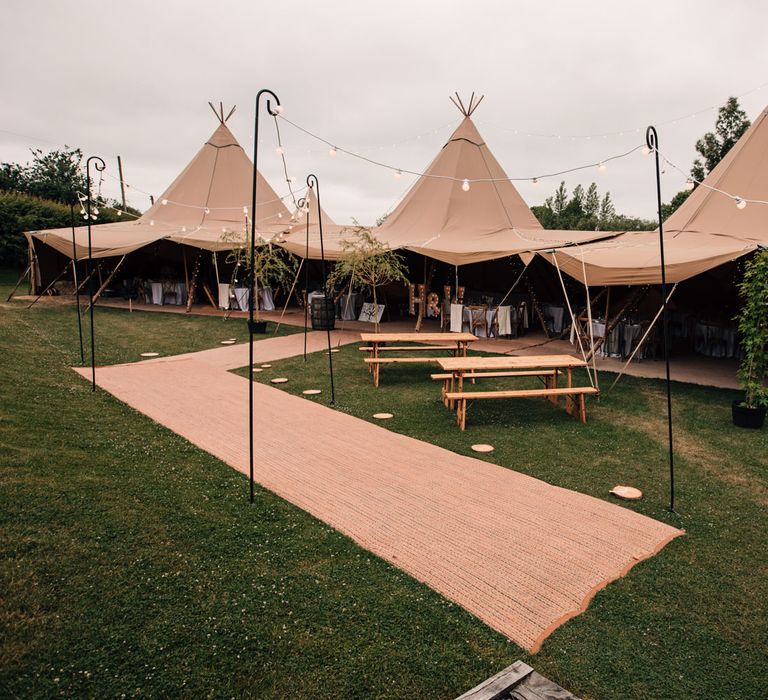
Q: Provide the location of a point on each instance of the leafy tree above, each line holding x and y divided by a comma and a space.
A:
669, 208
591, 202
368, 263
730, 125
55, 175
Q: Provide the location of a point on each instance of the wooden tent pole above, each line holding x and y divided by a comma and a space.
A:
106, 282
56, 279
21, 279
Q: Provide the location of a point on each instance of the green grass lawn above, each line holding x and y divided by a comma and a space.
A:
133, 564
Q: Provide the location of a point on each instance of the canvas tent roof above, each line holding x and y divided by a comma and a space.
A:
218, 178
706, 231
439, 219
295, 239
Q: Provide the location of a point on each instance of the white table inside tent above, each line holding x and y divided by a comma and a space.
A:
168, 293
554, 313
349, 303
242, 297
157, 292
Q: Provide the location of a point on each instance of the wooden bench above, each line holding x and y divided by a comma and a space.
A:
546, 375
376, 362
573, 391
404, 348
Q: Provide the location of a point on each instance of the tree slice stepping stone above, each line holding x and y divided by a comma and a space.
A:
266, 366
383, 416
279, 380
483, 448
628, 493
311, 392
227, 342
257, 369
150, 354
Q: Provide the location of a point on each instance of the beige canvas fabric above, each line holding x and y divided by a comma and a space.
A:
744, 173
219, 177
439, 219
294, 239
634, 257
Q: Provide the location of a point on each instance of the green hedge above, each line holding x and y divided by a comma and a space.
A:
22, 212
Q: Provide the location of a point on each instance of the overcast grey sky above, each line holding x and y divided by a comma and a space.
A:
134, 78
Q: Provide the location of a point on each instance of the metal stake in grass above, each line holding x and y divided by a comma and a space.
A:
652, 141
99, 164
252, 275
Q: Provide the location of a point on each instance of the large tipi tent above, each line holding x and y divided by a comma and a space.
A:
441, 219
204, 207
706, 231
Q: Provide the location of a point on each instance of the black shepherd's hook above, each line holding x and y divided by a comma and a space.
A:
314, 184
301, 204
652, 141
252, 271
99, 165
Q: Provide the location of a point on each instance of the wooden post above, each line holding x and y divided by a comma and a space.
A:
193, 285
210, 296
106, 282
21, 279
56, 279
122, 182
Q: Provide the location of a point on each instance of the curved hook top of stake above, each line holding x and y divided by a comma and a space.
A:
99, 163
312, 181
302, 202
652, 138
265, 91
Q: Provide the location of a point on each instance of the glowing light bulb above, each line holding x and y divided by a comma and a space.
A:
245, 210
465, 185
151, 222
95, 212
689, 184
293, 179
164, 202
279, 215
119, 213
82, 211
207, 210
740, 203
279, 109
398, 175
279, 150
332, 152
535, 181
601, 167
646, 150
183, 229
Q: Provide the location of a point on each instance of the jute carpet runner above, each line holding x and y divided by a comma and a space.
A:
520, 554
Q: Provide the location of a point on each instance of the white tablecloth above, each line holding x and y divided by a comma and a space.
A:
461, 317
157, 293
349, 302
267, 304
555, 314
224, 296
242, 297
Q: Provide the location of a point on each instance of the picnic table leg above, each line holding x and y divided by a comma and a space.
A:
582, 409
569, 404
553, 380
376, 372
461, 414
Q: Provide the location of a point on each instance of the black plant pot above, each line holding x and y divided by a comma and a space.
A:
747, 417
258, 327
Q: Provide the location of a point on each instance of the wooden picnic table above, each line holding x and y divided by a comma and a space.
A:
550, 366
376, 343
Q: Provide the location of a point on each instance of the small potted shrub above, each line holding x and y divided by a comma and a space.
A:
749, 412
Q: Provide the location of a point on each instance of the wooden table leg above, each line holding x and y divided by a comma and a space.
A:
569, 405
582, 407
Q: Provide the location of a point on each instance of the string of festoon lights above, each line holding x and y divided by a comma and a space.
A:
692, 182
466, 183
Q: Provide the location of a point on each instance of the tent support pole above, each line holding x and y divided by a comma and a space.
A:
55, 279
193, 284
642, 340
652, 141
107, 281
288, 298
21, 279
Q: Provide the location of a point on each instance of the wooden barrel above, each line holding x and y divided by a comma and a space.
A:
323, 314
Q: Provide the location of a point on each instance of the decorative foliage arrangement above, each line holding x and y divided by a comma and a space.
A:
367, 263
753, 329
272, 265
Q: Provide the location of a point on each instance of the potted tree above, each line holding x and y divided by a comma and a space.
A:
367, 263
272, 267
749, 412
